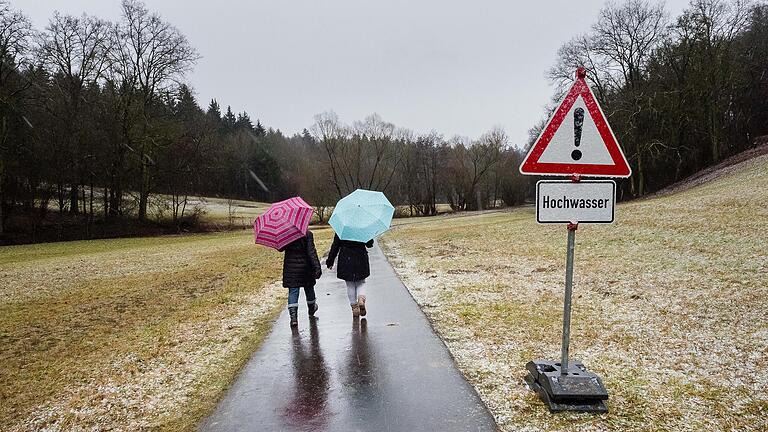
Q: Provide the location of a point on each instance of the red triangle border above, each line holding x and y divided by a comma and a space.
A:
620, 167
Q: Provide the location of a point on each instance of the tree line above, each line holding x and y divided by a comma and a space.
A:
417, 171
98, 126
681, 94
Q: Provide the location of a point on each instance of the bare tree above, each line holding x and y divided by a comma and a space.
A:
419, 172
362, 156
715, 24
470, 164
433, 149
580, 52
74, 50
626, 35
331, 135
374, 142
485, 157
15, 34
151, 57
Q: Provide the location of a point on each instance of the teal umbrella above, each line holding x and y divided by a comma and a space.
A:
362, 215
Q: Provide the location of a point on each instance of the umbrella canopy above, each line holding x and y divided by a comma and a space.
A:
362, 215
282, 223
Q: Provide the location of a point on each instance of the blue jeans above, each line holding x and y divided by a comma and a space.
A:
293, 296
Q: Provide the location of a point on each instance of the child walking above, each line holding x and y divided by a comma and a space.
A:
301, 267
353, 268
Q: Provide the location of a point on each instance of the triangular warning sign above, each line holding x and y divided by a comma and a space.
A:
577, 140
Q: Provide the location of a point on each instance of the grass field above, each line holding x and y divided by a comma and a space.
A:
130, 334
218, 211
670, 305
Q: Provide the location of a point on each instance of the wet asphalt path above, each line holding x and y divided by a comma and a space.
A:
388, 372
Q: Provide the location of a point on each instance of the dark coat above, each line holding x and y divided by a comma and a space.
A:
353, 259
300, 265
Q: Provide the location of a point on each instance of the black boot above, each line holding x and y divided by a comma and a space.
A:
293, 311
312, 308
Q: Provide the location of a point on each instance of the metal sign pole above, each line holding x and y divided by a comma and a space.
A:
568, 294
578, 123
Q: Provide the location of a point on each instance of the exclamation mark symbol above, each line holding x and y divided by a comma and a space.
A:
578, 123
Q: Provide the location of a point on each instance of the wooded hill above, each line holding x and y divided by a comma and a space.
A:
97, 125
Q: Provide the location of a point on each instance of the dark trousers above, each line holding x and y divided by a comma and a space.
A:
293, 296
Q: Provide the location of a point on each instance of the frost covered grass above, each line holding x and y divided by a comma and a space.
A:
670, 306
217, 210
130, 334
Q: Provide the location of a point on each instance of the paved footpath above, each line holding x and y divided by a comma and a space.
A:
388, 372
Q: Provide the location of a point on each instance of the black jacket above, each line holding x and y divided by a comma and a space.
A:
300, 265
353, 259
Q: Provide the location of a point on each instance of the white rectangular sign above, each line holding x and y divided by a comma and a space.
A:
587, 201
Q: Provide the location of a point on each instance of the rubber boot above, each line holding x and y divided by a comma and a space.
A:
312, 308
293, 311
361, 304
355, 310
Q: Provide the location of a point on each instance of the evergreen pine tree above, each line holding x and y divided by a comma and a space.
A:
186, 105
244, 122
307, 137
229, 119
259, 129
214, 110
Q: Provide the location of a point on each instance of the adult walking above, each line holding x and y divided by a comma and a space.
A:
301, 268
353, 267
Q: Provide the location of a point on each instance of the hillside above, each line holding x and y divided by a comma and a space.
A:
670, 305
731, 164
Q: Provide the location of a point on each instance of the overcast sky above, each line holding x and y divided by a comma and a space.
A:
457, 67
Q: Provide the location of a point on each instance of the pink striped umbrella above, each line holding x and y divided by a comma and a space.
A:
282, 223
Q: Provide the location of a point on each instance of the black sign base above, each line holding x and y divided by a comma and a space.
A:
578, 390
